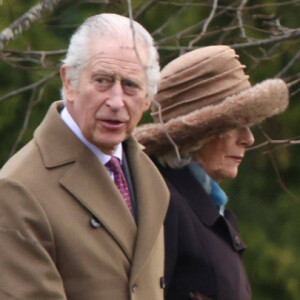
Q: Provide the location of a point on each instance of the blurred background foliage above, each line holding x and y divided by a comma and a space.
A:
266, 194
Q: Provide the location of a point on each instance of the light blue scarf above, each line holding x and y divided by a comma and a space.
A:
210, 186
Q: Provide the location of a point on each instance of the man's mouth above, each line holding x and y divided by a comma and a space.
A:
112, 124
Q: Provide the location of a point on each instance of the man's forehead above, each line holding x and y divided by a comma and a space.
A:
117, 68
104, 61
122, 48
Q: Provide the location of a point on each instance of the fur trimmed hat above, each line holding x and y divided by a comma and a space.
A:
206, 92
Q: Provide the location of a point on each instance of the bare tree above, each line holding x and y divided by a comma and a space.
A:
258, 32
265, 34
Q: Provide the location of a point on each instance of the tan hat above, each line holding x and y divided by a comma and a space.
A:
206, 92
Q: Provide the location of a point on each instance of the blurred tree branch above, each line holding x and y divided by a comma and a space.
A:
279, 180
22, 24
29, 87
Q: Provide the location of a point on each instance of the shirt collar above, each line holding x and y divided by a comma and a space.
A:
209, 185
103, 158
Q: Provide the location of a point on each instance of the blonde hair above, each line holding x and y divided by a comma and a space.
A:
171, 159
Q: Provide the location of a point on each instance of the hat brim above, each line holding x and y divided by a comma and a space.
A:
246, 108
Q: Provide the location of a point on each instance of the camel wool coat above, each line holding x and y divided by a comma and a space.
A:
65, 230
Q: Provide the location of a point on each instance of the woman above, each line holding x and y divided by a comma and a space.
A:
201, 131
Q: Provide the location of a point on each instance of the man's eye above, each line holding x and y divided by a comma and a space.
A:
130, 84
103, 83
130, 87
101, 80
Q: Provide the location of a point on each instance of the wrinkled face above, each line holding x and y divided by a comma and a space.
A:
111, 94
221, 156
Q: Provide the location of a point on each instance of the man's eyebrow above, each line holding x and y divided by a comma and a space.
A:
102, 72
135, 80
129, 77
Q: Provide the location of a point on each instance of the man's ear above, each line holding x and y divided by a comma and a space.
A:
147, 103
68, 89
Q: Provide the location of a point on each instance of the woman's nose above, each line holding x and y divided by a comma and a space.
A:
246, 137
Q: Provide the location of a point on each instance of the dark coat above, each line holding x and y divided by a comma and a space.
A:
203, 249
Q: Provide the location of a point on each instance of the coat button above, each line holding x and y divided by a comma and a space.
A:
95, 223
162, 282
134, 287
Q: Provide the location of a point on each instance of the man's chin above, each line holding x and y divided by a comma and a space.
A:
108, 146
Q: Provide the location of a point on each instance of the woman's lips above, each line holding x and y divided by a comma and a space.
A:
236, 158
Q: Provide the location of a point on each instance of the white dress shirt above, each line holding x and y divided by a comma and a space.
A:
103, 158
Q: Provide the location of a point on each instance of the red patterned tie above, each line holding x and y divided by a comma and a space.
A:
114, 166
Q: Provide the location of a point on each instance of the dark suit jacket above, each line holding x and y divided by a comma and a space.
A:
203, 249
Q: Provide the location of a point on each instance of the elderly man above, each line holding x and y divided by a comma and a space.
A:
82, 207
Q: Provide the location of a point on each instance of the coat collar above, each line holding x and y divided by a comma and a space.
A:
202, 204
89, 183
58, 145
192, 191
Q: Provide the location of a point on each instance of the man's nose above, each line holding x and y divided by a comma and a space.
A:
116, 96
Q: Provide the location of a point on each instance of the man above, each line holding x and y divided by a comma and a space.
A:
66, 230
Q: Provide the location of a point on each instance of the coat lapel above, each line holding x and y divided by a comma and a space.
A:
192, 191
151, 194
89, 183
202, 204
86, 179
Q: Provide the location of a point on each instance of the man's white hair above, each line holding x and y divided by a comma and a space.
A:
113, 25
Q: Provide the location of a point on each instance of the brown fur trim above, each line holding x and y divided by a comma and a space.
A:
246, 108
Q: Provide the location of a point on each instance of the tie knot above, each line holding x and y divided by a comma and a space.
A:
114, 164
